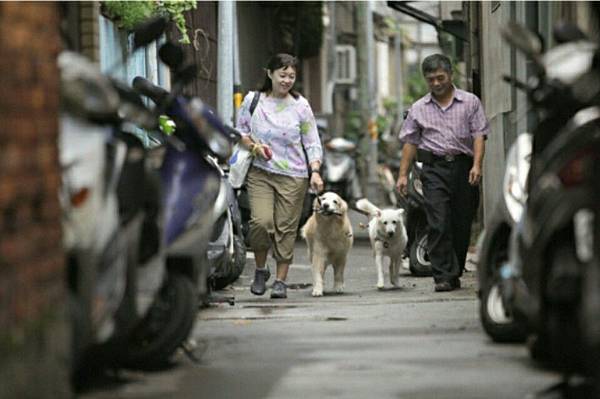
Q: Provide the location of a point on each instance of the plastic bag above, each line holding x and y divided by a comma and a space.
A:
239, 163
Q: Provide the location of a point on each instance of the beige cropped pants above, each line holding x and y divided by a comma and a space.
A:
275, 205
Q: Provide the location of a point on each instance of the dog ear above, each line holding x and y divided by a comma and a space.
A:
344, 205
378, 213
316, 202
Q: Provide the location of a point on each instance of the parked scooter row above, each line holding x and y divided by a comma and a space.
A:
107, 267
137, 222
539, 264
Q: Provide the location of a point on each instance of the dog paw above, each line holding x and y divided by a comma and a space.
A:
317, 293
406, 263
380, 286
339, 288
395, 282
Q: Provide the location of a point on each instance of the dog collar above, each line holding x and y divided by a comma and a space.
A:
385, 243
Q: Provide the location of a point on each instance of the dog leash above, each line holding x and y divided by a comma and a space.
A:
320, 210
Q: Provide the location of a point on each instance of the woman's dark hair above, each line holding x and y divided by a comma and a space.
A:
280, 60
434, 62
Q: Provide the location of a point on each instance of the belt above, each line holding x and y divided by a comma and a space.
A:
430, 157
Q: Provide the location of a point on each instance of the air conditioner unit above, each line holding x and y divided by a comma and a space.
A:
345, 64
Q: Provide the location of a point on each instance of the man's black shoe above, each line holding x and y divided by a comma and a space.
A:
444, 286
456, 283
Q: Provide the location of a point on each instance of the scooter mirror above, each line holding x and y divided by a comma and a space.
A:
523, 39
148, 31
171, 55
565, 32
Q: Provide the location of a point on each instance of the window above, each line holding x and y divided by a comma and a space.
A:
345, 64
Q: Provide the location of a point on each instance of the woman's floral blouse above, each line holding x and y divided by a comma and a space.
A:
286, 125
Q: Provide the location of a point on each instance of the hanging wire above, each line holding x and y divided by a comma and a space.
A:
201, 44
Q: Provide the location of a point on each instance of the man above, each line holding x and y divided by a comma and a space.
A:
448, 127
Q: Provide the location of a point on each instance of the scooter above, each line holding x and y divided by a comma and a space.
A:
552, 280
416, 224
339, 169
192, 184
493, 245
226, 250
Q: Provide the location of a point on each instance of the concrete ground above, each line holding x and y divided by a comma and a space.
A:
397, 343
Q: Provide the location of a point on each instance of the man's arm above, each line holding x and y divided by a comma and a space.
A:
408, 154
478, 153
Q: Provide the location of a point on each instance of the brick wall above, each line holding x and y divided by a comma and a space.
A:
33, 342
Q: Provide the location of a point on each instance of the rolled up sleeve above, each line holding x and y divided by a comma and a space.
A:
478, 123
410, 131
244, 117
309, 134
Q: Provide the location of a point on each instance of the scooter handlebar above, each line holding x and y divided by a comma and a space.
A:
149, 89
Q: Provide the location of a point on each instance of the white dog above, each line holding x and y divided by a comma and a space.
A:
388, 238
328, 235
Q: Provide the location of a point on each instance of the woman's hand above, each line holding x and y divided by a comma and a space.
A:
263, 151
316, 183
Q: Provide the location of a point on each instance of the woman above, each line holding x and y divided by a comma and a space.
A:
282, 134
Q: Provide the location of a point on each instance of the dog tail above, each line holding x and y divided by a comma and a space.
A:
367, 207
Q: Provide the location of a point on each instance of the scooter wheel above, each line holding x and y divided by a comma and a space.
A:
419, 264
558, 342
237, 265
499, 324
167, 324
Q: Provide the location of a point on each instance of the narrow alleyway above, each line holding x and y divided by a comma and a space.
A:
405, 343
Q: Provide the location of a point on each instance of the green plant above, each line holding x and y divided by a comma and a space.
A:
176, 8
386, 119
128, 14
416, 87
353, 126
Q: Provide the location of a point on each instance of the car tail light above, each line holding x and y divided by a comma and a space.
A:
80, 197
574, 172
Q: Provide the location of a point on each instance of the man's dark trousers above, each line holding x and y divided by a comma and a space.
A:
450, 205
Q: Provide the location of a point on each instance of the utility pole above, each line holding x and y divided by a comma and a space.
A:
331, 59
237, 83
367, 92
225, 62
399, 77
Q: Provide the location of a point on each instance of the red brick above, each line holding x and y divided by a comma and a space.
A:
8, 191
30, 225
47, 125
46, 155
51, 211
13, 248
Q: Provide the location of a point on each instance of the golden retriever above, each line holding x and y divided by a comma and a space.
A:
328, 235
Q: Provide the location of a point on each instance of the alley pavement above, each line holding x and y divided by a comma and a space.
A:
366, 343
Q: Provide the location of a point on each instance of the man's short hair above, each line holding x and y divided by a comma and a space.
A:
434, 62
